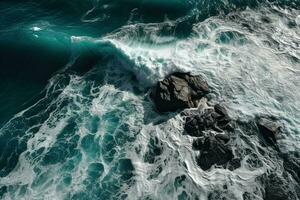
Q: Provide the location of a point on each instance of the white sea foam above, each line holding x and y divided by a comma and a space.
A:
251, 70
249, 67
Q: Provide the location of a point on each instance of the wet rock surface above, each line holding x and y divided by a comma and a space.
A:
211, 126
212, 129
268, 129
214, 151
179, 91
291, 163
215, 119
278, 188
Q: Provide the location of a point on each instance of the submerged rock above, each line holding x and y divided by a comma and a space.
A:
214, 150
269, 129
277, 188
215, 119
291, 163
183, 90
179, 91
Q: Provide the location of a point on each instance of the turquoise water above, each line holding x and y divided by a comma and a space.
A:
75, 118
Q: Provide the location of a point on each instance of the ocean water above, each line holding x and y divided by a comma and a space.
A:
76, 121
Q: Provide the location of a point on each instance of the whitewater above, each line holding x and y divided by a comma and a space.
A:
76, 119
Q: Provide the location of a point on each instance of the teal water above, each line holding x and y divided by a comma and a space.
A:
75, 118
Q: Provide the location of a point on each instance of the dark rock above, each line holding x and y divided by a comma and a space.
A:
223, 137
292, 24
248, 196
214, 151
278, 188
234, 164
248, 26
291, 163
194, 126
197, 144
225, 123
266, 19
220, 109
269, 129
179, 91
217, 120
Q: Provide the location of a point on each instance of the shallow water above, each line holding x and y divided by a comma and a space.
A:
76, 121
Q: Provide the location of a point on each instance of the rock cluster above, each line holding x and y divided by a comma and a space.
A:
183, 90
214, 150
216, 119
278, 188
211, 128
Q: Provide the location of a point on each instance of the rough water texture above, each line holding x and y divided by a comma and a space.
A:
76, 119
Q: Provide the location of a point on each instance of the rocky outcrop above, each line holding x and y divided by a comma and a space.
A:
183, 90
211, 125
278, 188
268, 129
213, 150
291, 163
215, 118
179, 91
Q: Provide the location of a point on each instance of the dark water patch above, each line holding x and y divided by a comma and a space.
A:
85, 62
154, 149
16, 95
27, 63
65, 145
15, 134
96, 18
89, 17
90, 145
179, 180
108, 148
3, 190
27, 57
119, 177
18, 11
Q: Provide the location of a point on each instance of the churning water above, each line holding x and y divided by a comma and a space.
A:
75, 118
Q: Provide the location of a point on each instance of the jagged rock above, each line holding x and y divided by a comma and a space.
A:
179, 91
215, 119
183, 90
269, 129
234, 164
214, 151
291, 163
277, 188
220, 109
197, 144
223, 137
